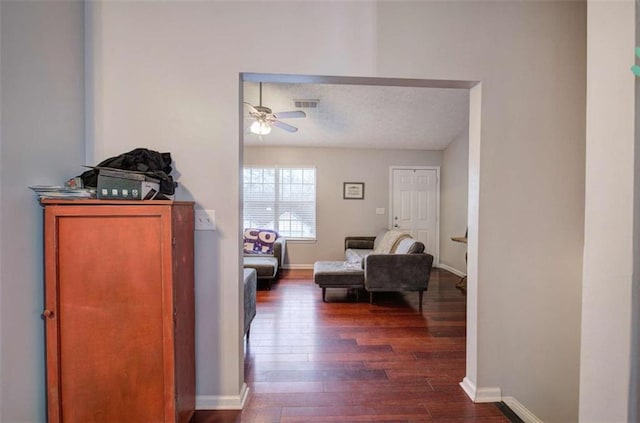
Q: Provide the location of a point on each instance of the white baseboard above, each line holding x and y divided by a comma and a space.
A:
480, 394
451, 269
521, 410
488, 395
495, 395
469, 388
298, 266
223, 402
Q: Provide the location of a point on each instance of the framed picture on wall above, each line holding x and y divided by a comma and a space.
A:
353, 190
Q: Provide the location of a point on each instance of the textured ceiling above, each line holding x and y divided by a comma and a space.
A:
362, 116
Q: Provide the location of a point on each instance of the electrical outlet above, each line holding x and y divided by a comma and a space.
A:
205, 220
380, 211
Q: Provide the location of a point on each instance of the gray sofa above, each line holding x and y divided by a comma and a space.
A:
405, 267
267, 266
250, 285
356, 248
382, 263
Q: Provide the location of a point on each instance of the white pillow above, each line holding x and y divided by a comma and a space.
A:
404, 246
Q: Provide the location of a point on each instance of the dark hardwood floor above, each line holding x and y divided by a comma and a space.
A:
347, 361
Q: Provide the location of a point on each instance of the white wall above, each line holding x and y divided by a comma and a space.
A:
166, 76
42, 143
335, 166
605, 361
530, 58
634, 392
1, 137
168, 79
454, 193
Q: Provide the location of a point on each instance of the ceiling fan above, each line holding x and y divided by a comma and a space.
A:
265, 118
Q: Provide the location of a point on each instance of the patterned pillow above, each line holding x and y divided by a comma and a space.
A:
259, 241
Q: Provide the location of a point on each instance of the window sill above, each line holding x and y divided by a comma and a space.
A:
300, 240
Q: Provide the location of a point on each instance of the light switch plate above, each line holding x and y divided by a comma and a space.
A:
205, 220
379, 211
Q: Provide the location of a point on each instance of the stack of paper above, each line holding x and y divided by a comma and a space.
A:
53, 191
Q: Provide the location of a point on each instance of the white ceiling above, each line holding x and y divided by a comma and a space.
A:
363, 116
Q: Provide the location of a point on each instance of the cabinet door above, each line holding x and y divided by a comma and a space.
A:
107, 346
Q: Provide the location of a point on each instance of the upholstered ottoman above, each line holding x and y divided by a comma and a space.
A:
337, 274
266, 267
250, 285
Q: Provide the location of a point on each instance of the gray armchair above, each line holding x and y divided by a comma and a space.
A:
267, 266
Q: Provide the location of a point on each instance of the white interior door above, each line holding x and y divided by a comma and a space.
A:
414, 205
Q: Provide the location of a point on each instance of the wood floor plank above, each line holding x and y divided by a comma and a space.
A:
287, 387
388, 412
350, 361
378, 386
300, 399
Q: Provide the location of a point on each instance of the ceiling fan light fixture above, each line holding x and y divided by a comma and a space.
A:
260, 128
265, 118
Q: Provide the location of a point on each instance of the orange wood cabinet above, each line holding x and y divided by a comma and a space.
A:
119, 310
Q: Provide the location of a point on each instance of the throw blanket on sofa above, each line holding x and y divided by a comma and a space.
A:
259, 241
390, 241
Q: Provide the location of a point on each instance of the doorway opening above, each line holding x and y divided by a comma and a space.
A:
474, 103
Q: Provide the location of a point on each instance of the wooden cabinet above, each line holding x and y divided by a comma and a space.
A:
119, 311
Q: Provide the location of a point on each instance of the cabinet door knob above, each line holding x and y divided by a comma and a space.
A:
48, 314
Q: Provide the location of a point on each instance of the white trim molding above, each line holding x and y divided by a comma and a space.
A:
297, 266
488, 395
468, 387
223, 402
480, 394
495, 395
451, 269
521, 410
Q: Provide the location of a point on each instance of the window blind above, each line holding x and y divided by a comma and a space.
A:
282, 199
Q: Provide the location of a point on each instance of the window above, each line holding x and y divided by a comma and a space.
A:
282, 199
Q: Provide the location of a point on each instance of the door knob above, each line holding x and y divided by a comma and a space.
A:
48, 314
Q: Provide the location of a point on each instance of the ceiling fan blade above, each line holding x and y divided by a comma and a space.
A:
284, 126
289, 115
251, 108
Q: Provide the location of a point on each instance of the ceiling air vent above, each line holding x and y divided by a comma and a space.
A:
306, 103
